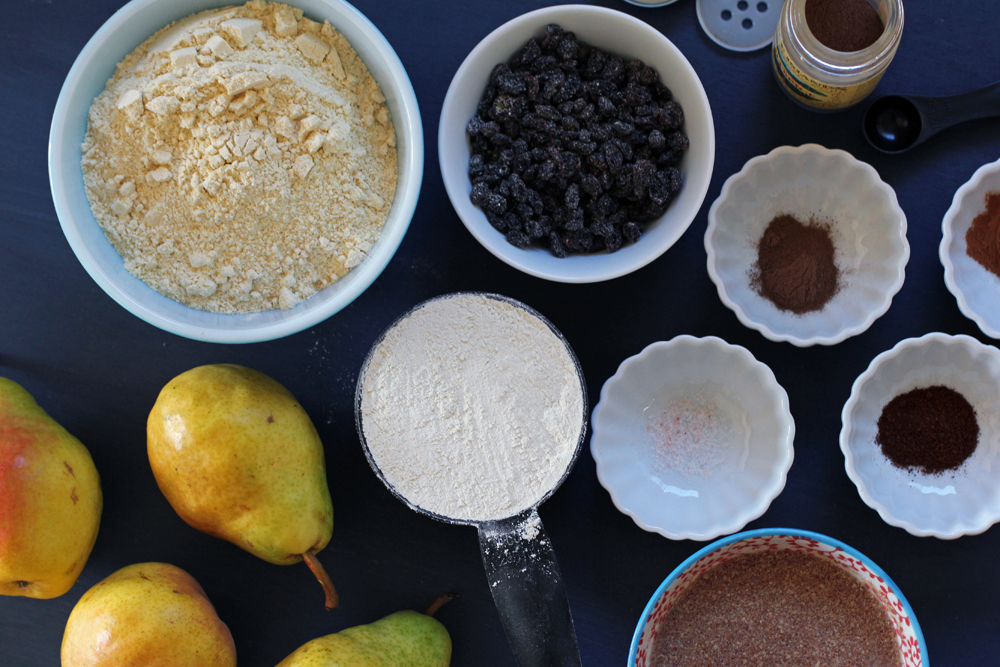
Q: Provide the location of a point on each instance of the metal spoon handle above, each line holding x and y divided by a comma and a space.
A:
942, 112
528, 591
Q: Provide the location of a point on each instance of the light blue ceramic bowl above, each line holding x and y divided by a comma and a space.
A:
119, 36
904, 622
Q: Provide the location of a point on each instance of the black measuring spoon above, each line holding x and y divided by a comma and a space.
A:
520, 563
897, 123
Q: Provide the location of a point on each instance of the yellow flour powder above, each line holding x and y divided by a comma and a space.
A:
241, 159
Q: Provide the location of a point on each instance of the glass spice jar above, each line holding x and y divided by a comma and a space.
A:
820, 78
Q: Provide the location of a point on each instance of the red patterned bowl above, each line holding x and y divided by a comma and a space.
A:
908, 635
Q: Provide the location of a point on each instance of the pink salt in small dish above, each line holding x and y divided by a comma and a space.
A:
692, 438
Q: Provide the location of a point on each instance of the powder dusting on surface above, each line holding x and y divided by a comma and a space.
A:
472, 408
241, 159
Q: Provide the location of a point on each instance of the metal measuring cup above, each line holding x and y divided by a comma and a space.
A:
520, 562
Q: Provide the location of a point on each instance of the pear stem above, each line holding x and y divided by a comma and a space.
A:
332, 599
438, 603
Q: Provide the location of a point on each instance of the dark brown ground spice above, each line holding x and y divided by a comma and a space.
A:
982, 241
930, 429
776, 609
795, 267
844, 25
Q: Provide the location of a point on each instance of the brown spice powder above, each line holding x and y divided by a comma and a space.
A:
776, 609
795, 267
982, 241
930, 429
844, 25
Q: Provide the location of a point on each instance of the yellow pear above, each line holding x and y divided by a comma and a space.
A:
151, 614
404, 639
50, 499
237, 457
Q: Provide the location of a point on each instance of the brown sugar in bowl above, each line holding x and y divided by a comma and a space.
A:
904, 626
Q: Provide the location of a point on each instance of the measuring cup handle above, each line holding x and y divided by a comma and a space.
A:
528, 591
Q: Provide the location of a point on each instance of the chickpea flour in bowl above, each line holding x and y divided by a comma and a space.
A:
207, 183
472, 409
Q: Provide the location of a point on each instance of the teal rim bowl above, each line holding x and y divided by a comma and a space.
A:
908, 634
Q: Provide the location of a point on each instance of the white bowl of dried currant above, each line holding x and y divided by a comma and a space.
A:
576, 143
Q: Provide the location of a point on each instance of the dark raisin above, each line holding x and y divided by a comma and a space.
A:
496, 203
534, 229
496, 221
620, 129
518, 239
512, 221
527, 55
570, 166
543, 63
678, 142
488, 128
573, 197
574, 221
475, 167
602, 87
595, 64
656, 140
613, 69
506, 107
631, 231
532, 86
547, 112
556, 245
612, 157
635, 94
590, 185
553, 33
606, 205
605, 107
567, 47
494, 172
547, 170
613, 241
669, 116
660, 92
480, 193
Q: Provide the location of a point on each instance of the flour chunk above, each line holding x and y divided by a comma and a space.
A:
312, 47
219, 47
130, 104
242, 31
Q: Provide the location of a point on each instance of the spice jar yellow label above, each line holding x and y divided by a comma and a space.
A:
811, 92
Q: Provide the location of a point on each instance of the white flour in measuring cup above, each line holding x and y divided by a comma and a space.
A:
472, 407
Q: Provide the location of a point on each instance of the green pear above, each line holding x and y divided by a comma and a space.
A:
237, 457
404, 639
50, 499
147, 614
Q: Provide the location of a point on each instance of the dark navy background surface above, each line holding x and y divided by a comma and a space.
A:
97, 369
